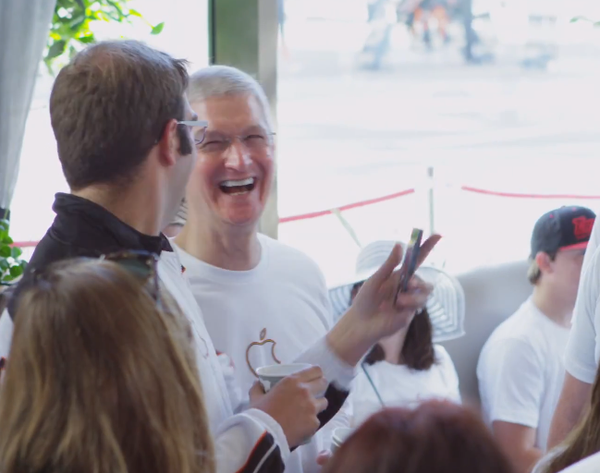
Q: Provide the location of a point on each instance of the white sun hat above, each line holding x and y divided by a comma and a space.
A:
446, 305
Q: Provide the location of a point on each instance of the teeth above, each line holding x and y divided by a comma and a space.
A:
243, 182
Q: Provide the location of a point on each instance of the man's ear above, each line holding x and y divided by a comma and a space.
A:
169, 144
544, 262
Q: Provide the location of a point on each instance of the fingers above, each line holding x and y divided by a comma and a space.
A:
384, 272
317, 387
426, 248
256, 392
323, 457
309, 374
321, 404
416, 296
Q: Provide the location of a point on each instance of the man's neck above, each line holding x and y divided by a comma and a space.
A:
234, 249
551, 305
136, 209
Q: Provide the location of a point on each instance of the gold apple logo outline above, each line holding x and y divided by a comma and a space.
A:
263, 341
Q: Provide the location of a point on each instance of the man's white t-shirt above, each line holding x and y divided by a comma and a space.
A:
582, 354
269, 314
400, 386
521, 371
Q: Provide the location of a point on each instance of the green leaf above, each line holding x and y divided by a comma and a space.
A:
158, 28
4, 265
23, 264
7, 240
87, 39
16, 271
5, 251
4, 225
15, 252
8, 278
56, 49
135, 13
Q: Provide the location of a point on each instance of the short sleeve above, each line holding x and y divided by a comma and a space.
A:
580, 359
514, 379
449, 374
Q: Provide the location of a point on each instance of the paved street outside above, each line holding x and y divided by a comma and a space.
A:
346, 135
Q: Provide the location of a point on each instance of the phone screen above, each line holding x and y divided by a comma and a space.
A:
410, 260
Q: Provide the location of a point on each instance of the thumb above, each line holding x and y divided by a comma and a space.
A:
256, 390
387, 268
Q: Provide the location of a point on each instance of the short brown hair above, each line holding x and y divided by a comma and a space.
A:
110, 106
101, 378
436, 437
534, 273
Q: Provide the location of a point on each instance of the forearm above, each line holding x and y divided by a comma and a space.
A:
348, 341
524, 460
571, 407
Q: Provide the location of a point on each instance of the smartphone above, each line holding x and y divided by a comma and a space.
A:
408, 268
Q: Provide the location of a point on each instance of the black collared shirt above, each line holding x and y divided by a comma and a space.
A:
83, 228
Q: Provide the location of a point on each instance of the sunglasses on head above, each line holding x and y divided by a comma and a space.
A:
141, 264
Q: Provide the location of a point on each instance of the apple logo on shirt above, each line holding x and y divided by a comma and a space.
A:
256, 346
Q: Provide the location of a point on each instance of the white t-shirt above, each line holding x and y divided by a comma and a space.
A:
521, 372
400, 386
583, 350
263, 316
587, 465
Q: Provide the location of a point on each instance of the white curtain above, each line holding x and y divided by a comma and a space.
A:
24, 27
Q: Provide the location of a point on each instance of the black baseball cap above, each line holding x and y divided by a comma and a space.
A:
567, 228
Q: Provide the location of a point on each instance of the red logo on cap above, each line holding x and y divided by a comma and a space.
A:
583, 227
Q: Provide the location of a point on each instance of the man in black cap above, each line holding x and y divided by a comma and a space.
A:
521, 367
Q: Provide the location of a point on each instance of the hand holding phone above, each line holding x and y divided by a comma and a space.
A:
408, 268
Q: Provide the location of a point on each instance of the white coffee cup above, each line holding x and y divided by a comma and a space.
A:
270, 375
339, 436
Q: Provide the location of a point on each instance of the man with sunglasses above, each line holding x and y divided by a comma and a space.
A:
125, 134
263, 302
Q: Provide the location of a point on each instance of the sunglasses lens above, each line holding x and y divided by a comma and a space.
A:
140, 268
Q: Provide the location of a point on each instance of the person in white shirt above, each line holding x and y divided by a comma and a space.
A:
263, 302
583, 350
127, 162
406, 368
520, 369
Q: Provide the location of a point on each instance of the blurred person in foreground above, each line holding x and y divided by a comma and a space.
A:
102, 377
436, 437
521, 369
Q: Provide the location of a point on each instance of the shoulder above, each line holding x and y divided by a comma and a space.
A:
288, 257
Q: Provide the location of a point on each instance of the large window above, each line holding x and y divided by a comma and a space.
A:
185, 34
376, 113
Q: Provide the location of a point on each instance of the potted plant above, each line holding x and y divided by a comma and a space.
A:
11, 264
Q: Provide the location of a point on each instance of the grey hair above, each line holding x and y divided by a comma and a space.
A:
218, 81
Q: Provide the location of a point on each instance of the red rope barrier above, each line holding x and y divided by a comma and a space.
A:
321, 213
346, 207
527, 196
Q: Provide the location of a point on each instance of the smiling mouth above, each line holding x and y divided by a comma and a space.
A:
237, 187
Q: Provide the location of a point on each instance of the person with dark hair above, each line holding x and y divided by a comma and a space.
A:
436, 437
407, 367
520, 368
